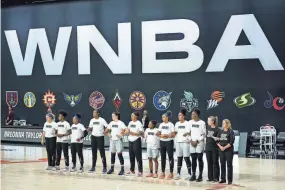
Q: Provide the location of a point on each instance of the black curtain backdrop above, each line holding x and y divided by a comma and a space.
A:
240, 76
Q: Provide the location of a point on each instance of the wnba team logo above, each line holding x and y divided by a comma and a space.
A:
29, 99
216, 97
137, 100
96, 100
162, 100
49, 99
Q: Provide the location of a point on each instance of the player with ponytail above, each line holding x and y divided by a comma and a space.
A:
182, 147
166, 134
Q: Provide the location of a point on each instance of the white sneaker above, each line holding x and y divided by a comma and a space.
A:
49, 168
73, 169
187, 178
66, 169
55, 168
177, 177
81, 170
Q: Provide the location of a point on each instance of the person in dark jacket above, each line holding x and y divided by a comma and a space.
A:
226, 151
10, 117
212, 152
145, 119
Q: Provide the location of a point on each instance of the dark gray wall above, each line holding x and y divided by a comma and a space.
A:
240, 76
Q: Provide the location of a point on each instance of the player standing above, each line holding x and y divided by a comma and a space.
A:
198, 132
98, 125
135, 131
182, 147
116, 130
49, 139
78, 132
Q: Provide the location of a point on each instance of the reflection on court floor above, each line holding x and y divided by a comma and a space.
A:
23, 168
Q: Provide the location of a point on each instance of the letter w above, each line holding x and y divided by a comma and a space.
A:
38, 37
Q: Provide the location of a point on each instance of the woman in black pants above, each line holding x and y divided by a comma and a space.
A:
212, 152
78, 132
49, 139
166, 134
135, 131
226, 152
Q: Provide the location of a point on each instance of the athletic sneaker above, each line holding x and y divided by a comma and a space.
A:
222, 181
73, 169
149, 175
130, 173
193, 178
199, 178
187, 178
122, 172
111, 171
177, 177
155, 175
140, 174
162, 176
104, 171
170, 176
92, 170
81, 170
56, 168
49, 168
66, 169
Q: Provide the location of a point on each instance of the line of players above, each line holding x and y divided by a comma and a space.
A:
191, 138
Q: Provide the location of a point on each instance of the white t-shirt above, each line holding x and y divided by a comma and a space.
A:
166, 129
181, 129
63, 128
197, 129
116, 129
98, 126
77, 131
49, 129
152, 140
135, 127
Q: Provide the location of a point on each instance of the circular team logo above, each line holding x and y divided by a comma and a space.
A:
137, 100
162, 100
29, 99
96, 100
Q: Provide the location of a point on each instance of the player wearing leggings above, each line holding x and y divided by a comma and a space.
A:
182, 147
115, 131
135, 132
49, 139
78, 132
198, 133
63, 132
166, 134
98, 125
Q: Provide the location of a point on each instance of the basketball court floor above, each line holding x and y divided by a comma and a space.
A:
23, 168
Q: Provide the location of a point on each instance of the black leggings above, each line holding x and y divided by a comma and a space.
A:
135, 152
194, 157
77, 148
51, 150
98, 143
226, 157
213, 165
166, 146
59, 148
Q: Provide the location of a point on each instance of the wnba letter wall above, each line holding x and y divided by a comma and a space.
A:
224, 57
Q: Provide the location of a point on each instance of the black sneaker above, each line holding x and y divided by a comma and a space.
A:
222, 181
209, 180
92, 170
230, 182
193, 178
122, 172
104, 171
111, 171
199, 179
215, 180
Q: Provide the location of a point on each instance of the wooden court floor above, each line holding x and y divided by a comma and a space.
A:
23, 168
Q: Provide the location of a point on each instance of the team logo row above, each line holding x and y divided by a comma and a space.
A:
137, 100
